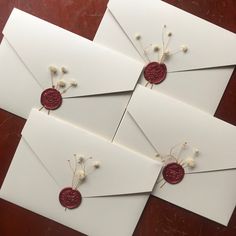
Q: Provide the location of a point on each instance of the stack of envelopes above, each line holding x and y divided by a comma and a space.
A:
112, 121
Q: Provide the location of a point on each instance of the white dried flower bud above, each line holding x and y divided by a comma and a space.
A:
53, 69
138, 36
80, 174
61, 83
96, 164
156, 48
190, 162
184, 145
196, 152
73, 83
64, 70
80, 159
166, 53
184, 48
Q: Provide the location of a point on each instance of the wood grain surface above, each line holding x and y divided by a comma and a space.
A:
159, 218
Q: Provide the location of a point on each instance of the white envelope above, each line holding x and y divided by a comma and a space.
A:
31, 45
155, 123
209, 46
113, 196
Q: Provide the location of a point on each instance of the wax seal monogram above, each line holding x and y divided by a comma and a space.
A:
70, 197
51, 98
155, 71
173, 173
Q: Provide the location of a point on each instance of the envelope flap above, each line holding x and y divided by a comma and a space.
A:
121, 172
208, 45
167, 122
97, 70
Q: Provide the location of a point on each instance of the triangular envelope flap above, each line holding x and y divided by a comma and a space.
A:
208, 44
121, 172
98, 70
168, 122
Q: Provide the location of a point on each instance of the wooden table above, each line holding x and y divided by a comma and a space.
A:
159, 217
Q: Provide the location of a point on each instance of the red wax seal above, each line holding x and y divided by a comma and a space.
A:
155, 72
70, 198
173, 173
51, 99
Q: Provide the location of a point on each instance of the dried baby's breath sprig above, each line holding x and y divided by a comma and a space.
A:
82, 169
138, 38
165, 51
51, 98
73, 83
61, 82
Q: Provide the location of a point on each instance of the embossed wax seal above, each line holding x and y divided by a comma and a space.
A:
51, 99
155, 72
173, 173
70, 198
